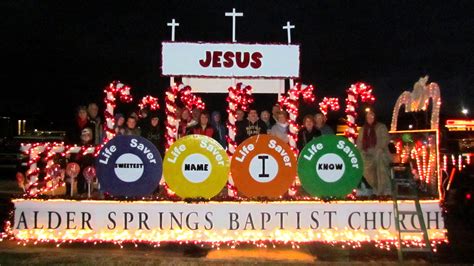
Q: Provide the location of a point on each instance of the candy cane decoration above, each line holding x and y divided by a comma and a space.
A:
34, 151
291, 104
364, 91
239, 97
150, 101
50, 150
171, 119
188, 99
329, 104
123, 91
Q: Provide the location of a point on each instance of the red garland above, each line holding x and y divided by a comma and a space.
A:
291, 104
364, 91
239, 97
123, 91
32, 174
189, 99
329, 104
150, 101
170, 110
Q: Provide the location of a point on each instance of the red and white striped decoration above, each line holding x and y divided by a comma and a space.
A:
329, 104
291, 104
358, 90
188, 99
149, 101
116, 88
35, 151
171, 119
240, 97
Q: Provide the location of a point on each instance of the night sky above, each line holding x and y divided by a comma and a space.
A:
67, 51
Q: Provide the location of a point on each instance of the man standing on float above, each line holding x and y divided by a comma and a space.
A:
253, 126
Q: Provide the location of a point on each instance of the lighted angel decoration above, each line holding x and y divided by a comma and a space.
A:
418, 100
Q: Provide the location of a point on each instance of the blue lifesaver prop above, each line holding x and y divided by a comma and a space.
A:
129, 166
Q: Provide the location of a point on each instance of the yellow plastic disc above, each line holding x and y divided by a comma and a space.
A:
196, 166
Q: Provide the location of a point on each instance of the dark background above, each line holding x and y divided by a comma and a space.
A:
57, 55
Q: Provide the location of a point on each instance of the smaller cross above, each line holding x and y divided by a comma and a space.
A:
233, 14
288, 28
173, 25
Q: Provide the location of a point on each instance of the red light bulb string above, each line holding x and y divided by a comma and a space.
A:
290, 103
356, 91
240, 97
115, 88
329, 104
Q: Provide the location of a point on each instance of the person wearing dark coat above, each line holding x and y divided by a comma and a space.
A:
252, 126
81, 122
307, 132
221, 129
153, 133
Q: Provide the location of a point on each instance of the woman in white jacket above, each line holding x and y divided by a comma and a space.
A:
280, 129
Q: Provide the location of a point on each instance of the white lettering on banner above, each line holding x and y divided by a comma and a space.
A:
342, 146
244, 152
230, 60
105, 155
281, 152
213, 149
176, 152
219, 221
313, 150
140, 146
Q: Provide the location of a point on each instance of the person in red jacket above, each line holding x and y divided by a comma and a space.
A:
204, 127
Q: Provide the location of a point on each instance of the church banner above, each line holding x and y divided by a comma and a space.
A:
156, 221
230, 60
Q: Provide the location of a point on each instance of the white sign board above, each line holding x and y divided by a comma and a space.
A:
218, 221
221, 85
230, 60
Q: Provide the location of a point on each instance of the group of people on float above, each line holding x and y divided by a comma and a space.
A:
373, 139
88, 128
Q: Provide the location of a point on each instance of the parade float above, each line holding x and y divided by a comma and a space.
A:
263, 191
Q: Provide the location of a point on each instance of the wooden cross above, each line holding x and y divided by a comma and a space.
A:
173, 25
288, 28
233, 14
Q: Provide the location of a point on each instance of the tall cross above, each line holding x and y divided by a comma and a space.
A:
233, 14
173, 25
288, 28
